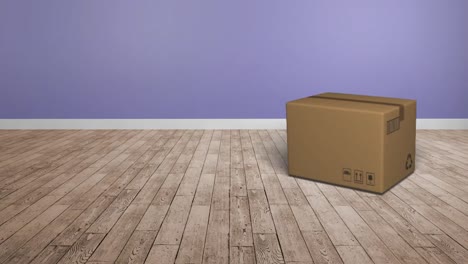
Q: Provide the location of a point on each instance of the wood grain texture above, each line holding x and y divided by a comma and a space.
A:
292, 243
51, 254
40, 241
374, 247
173, 225
217, 238
242, 255
13, 243
82, 250
260, 212
118, 236
353, 254
137, 247
267, 249
162, 254
321, 248
218, 196
240, 223
193, 241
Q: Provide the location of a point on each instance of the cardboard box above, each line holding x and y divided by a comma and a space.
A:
363, 142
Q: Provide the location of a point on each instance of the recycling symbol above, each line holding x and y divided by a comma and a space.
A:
409, 162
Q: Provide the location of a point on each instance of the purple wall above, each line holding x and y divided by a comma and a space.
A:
227, 59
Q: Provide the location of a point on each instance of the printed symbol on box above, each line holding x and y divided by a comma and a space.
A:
370, 178
347, 174
358, 176
409, 162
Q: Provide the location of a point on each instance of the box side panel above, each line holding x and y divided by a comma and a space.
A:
400, 149
336, 146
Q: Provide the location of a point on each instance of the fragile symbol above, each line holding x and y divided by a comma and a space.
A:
347, 174
370, 178
409, 162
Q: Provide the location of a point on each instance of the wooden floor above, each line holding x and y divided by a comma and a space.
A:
203, 196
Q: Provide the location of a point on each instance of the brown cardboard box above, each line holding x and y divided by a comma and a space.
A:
363, 142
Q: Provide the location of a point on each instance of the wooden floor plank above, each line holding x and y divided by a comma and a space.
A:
441, 221
454, 250
12, 244
237, 159
71, 234
110, 248
292, 243
457, 216
260, 212
402, 250
173, 225
353, 254
434, 255
167, 190
283, 135
66, 166
443, 195
374, 247
193, 240
110, 216
267, 249
94, 171
33, 247
261, 154
137, 247
238, 184
403, 227
186, 145
14, 143
189, 183
240, 225
162, 254
252, 172
223, 167
336, 229
303, 212
153, 218
280, 144
204, 190
415, 218
142, 177
129, 167
242, 255
82, 250
47, 163
216, 249
51, 254
98, 182
76, 177
34, 150
218, 196
279, 165
16, 223
320, 247
71, 167
273, 189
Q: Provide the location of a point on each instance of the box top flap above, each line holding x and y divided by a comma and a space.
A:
358, 102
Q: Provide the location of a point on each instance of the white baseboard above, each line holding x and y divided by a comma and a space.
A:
188, 124
441, 123
142, 123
